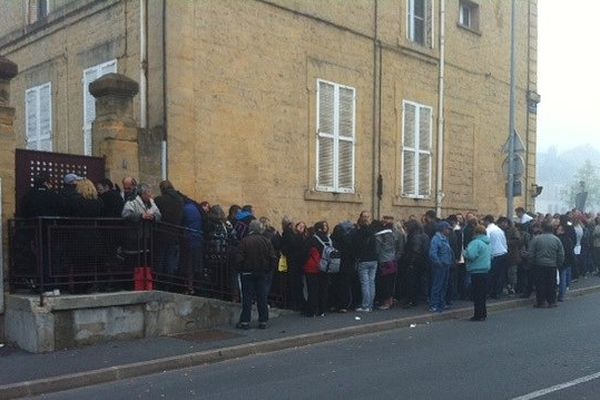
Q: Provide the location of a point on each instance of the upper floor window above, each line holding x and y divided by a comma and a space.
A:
336, 118
420, 22
38, 111
468, 16
89, 102
37, 10
416, 150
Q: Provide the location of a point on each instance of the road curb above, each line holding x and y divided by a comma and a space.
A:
116, 373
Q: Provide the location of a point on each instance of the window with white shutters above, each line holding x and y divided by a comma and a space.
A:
37, 10
38, 111
468, 15
420, 22
89, 102
416, 150
335, 137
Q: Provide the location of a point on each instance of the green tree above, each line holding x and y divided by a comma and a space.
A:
585, 179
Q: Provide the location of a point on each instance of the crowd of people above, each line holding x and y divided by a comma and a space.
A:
361, 266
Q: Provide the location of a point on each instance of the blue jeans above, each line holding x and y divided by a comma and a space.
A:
170, 260
565, 277
255, 285
439, 286
366, 274
497, 277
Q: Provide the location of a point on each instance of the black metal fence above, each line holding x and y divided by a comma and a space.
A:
97, 255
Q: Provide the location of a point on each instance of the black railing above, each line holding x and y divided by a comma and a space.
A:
94, 255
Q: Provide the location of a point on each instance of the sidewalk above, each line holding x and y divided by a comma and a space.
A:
26, 374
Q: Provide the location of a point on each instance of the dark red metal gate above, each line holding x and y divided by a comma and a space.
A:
30, 163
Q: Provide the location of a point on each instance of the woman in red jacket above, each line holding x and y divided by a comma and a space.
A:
317, 282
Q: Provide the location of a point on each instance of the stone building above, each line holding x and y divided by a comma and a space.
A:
315, 109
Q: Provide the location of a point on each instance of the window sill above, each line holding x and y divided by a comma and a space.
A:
469, 29
313, 195
405, 201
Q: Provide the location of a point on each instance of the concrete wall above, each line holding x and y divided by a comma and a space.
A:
69, 321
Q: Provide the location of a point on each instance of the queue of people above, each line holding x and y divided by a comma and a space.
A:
360, 266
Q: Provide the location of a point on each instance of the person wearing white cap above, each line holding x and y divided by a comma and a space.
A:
69, 194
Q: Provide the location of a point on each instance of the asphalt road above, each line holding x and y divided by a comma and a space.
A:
520, 353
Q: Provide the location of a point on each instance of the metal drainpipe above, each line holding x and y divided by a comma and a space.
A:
439, 194
164, 151
143, 64
375, 173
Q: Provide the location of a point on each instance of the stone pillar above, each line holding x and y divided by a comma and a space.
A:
8, 70
114, 131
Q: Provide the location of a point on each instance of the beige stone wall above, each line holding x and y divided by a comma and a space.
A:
61, 51
242, 85
242, 102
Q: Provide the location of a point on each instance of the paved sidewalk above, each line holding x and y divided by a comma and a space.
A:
24, 373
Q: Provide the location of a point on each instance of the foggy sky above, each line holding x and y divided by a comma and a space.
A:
568, 73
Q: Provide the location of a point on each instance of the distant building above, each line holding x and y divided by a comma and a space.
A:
296, 107
551, 201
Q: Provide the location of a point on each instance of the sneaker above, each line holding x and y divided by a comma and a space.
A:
342, 311
243, 325
361, 309
434, 309
262, 325
552, 305
477, 319
383, 307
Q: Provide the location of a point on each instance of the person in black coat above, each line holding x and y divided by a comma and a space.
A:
87, 204
111, 198
342, 283
256, 260
170, 204
294, 245
415, 260
69, 194
564, 270
41, 200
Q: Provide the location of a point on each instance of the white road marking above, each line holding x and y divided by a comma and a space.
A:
556, 388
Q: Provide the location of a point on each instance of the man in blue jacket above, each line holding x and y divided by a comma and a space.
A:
441, 258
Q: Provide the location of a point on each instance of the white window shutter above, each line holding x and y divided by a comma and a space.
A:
107, 68
428, 34
346, 113
326, 163
31, 111
425, 122
424, 175
424, 129
410, 114
45, 118
89, 102
326, 105
335, 137
408, 172
325, 130
409, 155
346, 139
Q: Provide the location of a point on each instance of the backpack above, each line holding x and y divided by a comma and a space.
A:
330, 257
